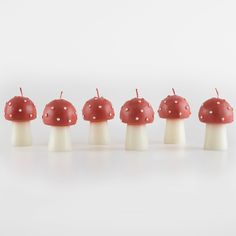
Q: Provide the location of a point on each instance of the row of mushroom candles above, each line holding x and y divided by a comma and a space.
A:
60, 114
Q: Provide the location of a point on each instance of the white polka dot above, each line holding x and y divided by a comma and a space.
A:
141, 110
31, 115
46, 115
169, 111
165, 101
127, 109
52, 108
90, 105
210, 112
10, 115
69, 121
147, 119
218, 103
20, 110
176, 101
222, 118
110, 114
159, 109
95, 98
94, 117
9, 103
139, 101
25, 100
58, 119
100, 106
136, 118
201, 117
186, 107
65, 108
180, 113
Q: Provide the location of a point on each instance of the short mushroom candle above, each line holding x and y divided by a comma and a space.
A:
60, 115
216, 113
20, 110
98, 111
136, 113
175, 110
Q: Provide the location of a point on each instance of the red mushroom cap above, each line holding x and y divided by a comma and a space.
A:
216, 111
20, 109
137, 111
59, 112
98, 109
174, 107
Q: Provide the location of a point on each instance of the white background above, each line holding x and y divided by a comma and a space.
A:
47, 46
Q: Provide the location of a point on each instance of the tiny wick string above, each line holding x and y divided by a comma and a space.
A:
137, 93
61, 94
173, 91
21, 92
97, 92
217, 92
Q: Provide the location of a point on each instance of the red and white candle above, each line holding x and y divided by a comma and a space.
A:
98, 111
60, 114
20, 110
136, 113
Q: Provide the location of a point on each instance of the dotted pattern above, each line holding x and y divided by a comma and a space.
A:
174, 107
20, 109
98, 109
216, 111
59, 112
137, 111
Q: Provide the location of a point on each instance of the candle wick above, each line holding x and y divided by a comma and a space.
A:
61, 94
217, 92
21, 92
173, 90
97, 92
137, 93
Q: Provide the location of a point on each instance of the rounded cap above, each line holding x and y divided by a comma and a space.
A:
216, 111
98, 109
59, 112
20, 109
174, 107
137, 111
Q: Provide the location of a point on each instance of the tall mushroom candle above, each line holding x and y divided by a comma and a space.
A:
136, 113
98, 111
60, 115
20, 110
175, 110
216, 113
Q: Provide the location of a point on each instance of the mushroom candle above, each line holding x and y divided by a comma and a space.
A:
216, 113
136, 113
175, 110
20, 110
60, 115
98, 111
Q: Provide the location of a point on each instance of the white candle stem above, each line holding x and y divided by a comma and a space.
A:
98, 133
21, 134
175, 132
136, 137
59, 140
216, 137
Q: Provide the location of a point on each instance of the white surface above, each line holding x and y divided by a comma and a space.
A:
98, 133
216, 137
59, 139
21, 134
136, 137
175, 132
47, 46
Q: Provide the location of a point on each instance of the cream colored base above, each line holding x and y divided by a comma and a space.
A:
215, 137
175, 132
98, 133
136, 138
59, 140
21, 134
